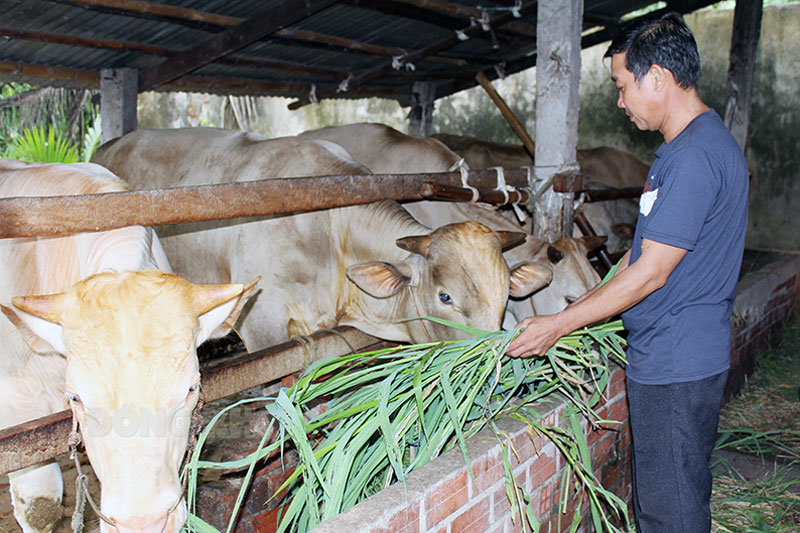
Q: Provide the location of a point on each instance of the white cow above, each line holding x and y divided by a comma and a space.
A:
385, 150
607, 166
370, 266
97, 322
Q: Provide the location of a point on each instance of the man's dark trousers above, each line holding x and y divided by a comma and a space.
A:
674, 428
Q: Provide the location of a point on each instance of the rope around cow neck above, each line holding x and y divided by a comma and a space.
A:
82, 494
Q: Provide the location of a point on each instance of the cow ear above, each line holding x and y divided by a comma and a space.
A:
218, 307
36, 318
419, 244
380, 279
528, 277
510, 239
593, 242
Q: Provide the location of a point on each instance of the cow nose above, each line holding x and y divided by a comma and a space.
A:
171, 522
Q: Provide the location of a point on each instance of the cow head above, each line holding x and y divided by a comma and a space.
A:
133, 379
573, 274
456, 272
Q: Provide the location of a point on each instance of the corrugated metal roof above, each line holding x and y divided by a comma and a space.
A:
356, 46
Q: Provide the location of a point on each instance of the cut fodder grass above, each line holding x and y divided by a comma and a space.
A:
769, 505
390, 411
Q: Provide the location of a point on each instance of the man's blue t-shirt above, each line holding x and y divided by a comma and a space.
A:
695, 198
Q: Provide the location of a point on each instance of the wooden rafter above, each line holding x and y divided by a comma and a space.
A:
229, 41
416, 55
217, 23
108, 44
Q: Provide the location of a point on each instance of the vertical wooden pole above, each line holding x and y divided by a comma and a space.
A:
515, 123
118, 91
421, 115
742, 66
558, 69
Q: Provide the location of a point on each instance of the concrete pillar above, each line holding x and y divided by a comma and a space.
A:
742, 66
558, 69
421, 115
118, 91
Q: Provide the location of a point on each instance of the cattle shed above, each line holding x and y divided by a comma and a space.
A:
412, 51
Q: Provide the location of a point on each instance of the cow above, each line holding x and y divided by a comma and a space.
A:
99, 324
607, 166
370, 266
385, 150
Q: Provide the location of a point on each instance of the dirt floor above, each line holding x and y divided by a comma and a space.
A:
757, 463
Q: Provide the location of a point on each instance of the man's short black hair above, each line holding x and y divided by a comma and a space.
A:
663, 40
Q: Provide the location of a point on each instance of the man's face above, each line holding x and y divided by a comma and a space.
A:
639, 100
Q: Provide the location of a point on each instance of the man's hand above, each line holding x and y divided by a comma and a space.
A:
539, 334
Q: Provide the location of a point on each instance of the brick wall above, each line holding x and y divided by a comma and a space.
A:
442, 497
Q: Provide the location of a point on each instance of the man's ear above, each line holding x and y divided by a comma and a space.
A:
659, 75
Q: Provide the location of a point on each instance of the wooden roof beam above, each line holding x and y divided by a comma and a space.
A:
416, 55
107, 44
217, 23
228, 42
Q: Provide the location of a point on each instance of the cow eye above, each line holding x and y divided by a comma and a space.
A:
194, 387
72, 398
445, 298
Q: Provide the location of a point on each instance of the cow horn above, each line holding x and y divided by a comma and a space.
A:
419, 244
207, 297
509, 239
48, 306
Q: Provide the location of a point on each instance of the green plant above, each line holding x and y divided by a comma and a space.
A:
38, 144
392, 410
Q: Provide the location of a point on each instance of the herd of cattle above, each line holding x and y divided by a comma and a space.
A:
99, 322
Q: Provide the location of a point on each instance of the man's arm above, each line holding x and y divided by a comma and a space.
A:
629, 286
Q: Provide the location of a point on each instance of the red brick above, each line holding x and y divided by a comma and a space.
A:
265, 522
546, 506
446, 498
488, 471
475, 519
406, 520
500, 503
542, 470
523, 449
616, 385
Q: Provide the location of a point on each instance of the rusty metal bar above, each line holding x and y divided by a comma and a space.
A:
588, 230
62, 215
44, 438
438, 191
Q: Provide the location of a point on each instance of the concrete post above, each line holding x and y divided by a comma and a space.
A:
421, 115
118, 91
558, 69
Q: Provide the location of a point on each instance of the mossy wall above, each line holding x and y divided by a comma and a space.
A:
773, 147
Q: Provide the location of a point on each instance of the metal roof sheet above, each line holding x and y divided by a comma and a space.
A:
335, 48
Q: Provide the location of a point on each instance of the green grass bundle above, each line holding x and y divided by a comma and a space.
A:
390, 411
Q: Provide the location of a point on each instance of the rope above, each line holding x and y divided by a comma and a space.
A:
462, 168
312, 96
505, 189
82, 494
345, 85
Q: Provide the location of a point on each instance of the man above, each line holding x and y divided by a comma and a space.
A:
676, 286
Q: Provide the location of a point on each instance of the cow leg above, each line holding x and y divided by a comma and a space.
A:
36, 494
